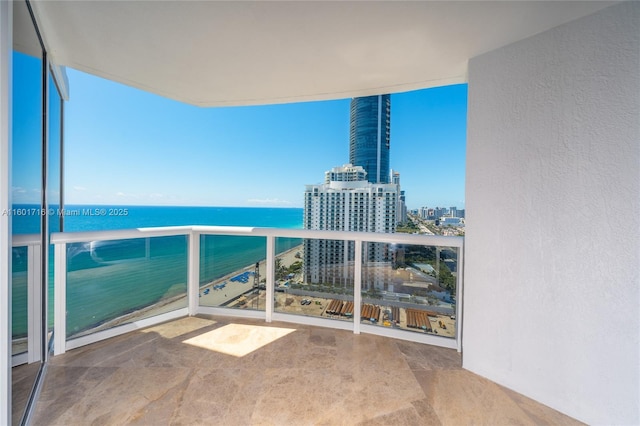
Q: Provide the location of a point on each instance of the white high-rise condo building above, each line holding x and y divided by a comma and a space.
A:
347, 202
401, 208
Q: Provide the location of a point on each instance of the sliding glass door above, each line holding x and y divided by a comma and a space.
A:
26, 208
35, 164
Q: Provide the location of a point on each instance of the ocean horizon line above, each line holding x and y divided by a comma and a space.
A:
94, 217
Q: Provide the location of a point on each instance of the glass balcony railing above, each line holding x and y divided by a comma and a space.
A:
115, 282
232, 271
19, 299
410, 287
25, 298
316, 279
109, 282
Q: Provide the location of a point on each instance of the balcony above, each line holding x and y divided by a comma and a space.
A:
178, 269
551, 299
232, 349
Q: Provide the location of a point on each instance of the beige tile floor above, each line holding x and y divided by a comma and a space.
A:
224, 371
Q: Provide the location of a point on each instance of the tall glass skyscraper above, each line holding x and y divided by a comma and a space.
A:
369, 136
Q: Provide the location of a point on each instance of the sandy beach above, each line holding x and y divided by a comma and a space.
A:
234, 289
226, 296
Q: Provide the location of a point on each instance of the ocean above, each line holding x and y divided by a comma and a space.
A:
83, 217
106, 280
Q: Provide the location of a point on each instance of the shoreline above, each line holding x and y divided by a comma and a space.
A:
236, 289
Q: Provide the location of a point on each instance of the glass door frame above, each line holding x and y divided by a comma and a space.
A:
39, 339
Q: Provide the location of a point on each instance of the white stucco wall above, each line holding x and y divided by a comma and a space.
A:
553, 205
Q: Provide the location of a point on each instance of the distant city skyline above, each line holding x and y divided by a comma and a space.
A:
128, 147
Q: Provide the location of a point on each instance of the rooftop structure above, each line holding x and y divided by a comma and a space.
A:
346, 173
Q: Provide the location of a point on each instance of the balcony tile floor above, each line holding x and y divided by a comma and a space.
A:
228, 371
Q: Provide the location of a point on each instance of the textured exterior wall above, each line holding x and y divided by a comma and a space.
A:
552, 200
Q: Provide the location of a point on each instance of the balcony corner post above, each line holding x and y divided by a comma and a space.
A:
34, 300
357, 286
60, 299
459, 296
193, 280
271, 251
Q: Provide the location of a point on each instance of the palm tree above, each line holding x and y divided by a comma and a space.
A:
281, 271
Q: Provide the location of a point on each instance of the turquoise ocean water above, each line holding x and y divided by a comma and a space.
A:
108, 279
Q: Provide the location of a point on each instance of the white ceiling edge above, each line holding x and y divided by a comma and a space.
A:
306, 97
109, 40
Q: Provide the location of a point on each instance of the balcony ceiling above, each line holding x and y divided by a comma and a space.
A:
211, 53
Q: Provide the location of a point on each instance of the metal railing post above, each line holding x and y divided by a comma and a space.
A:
60, 300
193, 283
271, 254
34, 303
357, 286
459, 296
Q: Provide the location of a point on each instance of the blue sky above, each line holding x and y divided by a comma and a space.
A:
127, 147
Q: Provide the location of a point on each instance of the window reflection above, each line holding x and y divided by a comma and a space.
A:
54, 181
316, 278
26, 174
26, 155
54, 186
415, 291
32, 163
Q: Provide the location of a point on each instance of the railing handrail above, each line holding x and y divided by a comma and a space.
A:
21, 240
121, 234
118, 234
